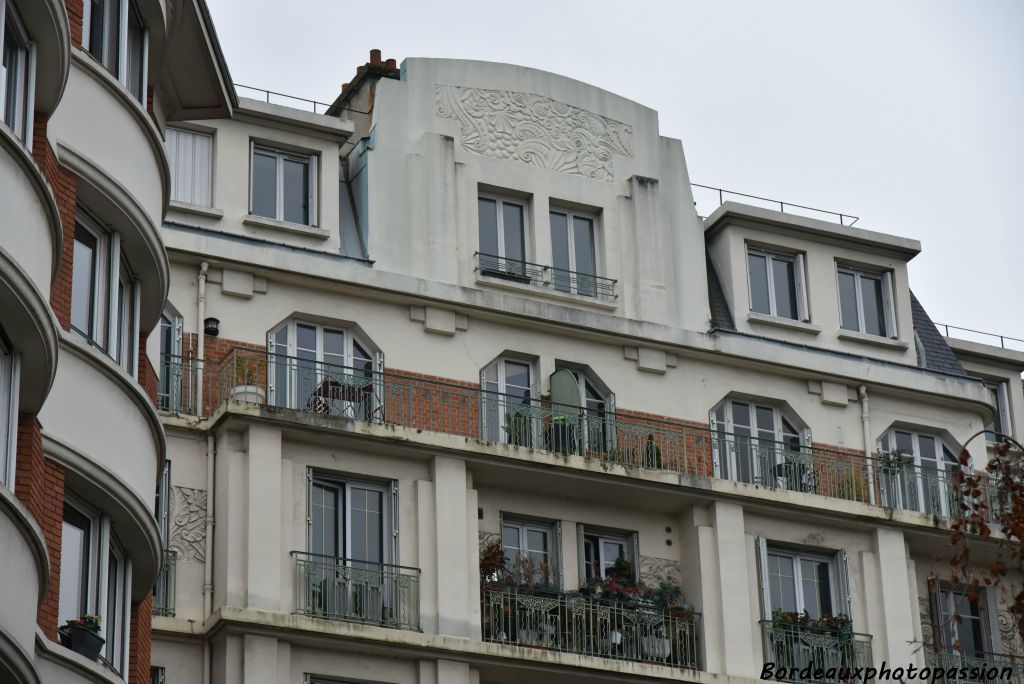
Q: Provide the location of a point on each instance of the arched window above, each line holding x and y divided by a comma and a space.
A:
324, 368
915, 471
508, 401
594, 409
757, 443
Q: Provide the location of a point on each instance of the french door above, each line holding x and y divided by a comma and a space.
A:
756, 444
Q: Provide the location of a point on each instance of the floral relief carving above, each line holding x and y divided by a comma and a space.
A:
188, 523
655, 570
535, 130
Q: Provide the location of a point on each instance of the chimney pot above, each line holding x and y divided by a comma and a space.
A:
345, 86
374, 56
391, 64
360, 70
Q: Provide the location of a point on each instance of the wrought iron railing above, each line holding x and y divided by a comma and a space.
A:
176, 384
986, 666
578, 624
1003, 341
807, 654
357, 591
164, 590
711, 192
563, 280
629, 439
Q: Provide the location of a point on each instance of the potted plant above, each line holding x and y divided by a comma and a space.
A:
248, 371
83, 636
493, 564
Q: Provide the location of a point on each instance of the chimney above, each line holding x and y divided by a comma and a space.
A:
374, 56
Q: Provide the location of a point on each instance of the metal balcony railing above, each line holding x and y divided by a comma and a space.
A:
176, 384
616, 437
563, 280
357, 591
572, 623
988, 666
272, 97
163, 591
706, 195
808, 654
1003, 341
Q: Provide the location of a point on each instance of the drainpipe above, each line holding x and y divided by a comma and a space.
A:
211, 454
200, 335
865, 420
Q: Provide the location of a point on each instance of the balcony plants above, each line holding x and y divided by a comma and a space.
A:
247, 373
839, 625
83, 636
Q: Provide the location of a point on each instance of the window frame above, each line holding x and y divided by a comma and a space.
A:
343, 516
797, 556
596, 245
24, 79
169, 386
500, 397
10, 379
589, 534
732, 464
118, 44
174, 160
1001, 422
116, 651
945, 602
99, 282
945, 464
310, 159
522, 525
88, 582
500, 201
798, 259
885, 278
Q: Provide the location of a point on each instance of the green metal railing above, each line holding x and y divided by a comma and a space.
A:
578, 624
615, 437
164, 590
807, 654
988, 666
561, 279
357, 591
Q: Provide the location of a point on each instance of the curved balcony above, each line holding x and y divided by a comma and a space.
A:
25, 568
46, 21
100, 426
108, 140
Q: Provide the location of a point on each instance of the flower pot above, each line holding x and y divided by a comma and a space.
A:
253, 394
82, 641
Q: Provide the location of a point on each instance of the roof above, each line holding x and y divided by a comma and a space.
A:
933, 351
721, 317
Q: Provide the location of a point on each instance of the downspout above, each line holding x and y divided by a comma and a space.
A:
200, 336
211, 454
865, 420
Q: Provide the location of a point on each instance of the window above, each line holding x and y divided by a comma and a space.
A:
503, 245
1001, 421
323, 369
348, 520
600, 550
116, 36
529, 550
573, 253
283, 186
967, 636
169, 386
757, 444
508, 394
157, 675
190, 158
916, 472
97, 289
8, 412
866, 302
776, 284
801, 581
77, 553
579, 388
163, 503
116, 616
16, 73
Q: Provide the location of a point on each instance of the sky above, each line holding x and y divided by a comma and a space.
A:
907, 114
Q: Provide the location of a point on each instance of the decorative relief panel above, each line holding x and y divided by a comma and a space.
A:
535, 130
188, 523
655, 570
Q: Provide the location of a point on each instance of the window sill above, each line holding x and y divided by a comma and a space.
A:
787, 323
197, 209
287, 226
545, 292
888, 342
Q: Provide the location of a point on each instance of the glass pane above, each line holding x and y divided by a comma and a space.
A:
488, 212
113, 573
83, 281
848, 318
816, 589
586, 264
334, 342
785, 288
781, 583
13, 64
296, 191
135, 53
96, 28
112, 35
874, 309
324, 510
765, 419
904, 442
306, 337
366, 525
757, 268
560, 251
264, 185
740, 414
74, 569
281, 366
512, 223
537, 541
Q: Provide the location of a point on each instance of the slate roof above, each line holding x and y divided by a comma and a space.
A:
933, 352
721, 317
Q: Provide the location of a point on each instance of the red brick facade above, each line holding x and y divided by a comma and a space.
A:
147, 374
39, 484
76, 19
141, 642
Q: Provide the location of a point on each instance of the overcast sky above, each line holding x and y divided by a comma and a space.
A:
909, 115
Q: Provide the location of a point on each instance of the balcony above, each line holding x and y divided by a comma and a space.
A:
988, 666
163, 591
548, 277
630, 439
571, 623
357, 591
808, 654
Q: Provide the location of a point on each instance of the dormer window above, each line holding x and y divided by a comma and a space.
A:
866, 301
776, 282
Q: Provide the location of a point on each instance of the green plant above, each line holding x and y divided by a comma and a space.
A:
894, 462
841, 624
88, 622
248, 369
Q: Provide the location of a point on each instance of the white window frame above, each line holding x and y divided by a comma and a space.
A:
943, 467
524, 525
126, 319
10, 367
24, 80
799, 281
597, 245
588, 533
98, 323
120, 44
344, 526
796, 557
173, 132
888, 298
499, 201
1002, 408
502, 400
586, 378
945, 601
169, 387
731, 461
311, 161
163, 503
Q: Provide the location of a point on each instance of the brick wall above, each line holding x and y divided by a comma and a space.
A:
39, 484
141, 641
76, 16
147, 374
